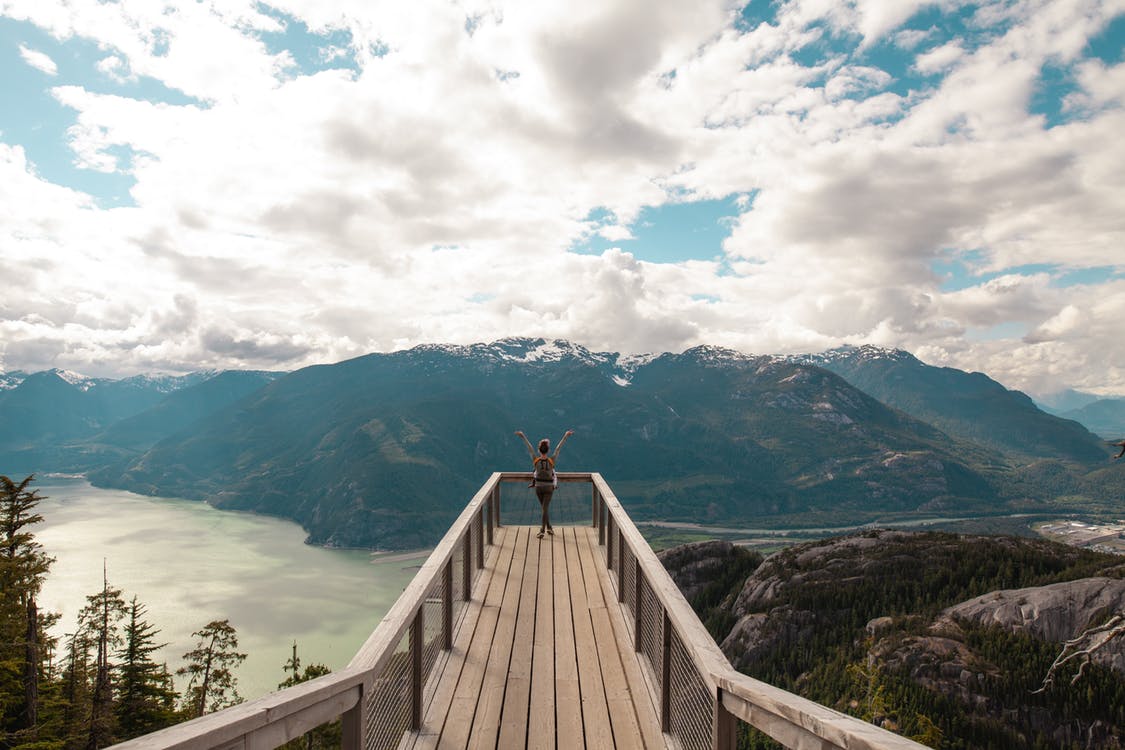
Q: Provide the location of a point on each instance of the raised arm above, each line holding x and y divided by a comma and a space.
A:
530, 449
560, 445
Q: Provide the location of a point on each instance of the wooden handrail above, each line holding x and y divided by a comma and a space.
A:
799, 722
268, 721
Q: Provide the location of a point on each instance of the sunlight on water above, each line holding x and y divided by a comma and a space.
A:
190, 564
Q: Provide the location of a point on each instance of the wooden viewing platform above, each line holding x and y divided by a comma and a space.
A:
503, 640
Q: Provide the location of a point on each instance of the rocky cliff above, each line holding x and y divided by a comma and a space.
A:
929, 634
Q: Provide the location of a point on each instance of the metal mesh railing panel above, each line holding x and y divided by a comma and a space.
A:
691, 701
570, 505
477, 526
432, 628
652, 622
628, 580
388, 704
458, 559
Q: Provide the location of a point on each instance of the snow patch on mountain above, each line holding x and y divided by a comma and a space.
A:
9, 380
76, 379
865, 353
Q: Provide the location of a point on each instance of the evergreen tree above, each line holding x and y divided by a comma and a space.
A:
326, 735
23, 644
145, 701
210, 665
75, 688
101, 619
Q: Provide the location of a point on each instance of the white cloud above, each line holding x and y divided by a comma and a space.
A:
39, 60
939, 59
286, 219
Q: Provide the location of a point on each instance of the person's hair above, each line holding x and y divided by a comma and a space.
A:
544, 445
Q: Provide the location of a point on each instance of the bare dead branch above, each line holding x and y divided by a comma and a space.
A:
1083, 647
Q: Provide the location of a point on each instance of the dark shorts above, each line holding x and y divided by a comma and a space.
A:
544, 491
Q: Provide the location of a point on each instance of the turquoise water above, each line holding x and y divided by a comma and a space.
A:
190, 564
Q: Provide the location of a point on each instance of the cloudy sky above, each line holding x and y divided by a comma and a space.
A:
276, 183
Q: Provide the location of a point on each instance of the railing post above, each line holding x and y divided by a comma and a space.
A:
351, 734
638, 604
608, 545
666, 676
620, 565
596, 510
447, 606
491, 516
724, 726
600, 516
467, 565
496, 504
417, 645
604, 519
621, 569
480, 547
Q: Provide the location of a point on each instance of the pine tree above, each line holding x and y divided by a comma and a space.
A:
326, 735
145, 702
101, 619
76, 681
212, 684
23, 645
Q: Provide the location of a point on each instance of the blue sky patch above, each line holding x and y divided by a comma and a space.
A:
312, 52
33, 118
1080, 276
1109, 46
1053, 86
670, 233
959, 274
755, 13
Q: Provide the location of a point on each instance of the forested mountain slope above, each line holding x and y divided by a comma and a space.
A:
383, 450
967, 405
937, 636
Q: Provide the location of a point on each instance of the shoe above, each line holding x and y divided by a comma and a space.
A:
550, 531
539, 535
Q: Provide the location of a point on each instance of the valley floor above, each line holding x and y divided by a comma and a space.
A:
1104, 537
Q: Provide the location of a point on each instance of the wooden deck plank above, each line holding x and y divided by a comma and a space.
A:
463, 706
643, 701
541, 718
517, 695
486, 722
568, 696
595, 709
542, 657
443, 683
627, 705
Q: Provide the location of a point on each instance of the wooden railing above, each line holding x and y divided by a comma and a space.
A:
699, 696
382, 693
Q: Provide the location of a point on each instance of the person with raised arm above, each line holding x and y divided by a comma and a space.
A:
544, 477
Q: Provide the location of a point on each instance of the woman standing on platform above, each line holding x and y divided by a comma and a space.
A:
545, 479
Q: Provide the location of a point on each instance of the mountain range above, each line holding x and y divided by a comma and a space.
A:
383, 450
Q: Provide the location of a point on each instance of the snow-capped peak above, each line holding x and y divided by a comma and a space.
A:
78, 380
848, 352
